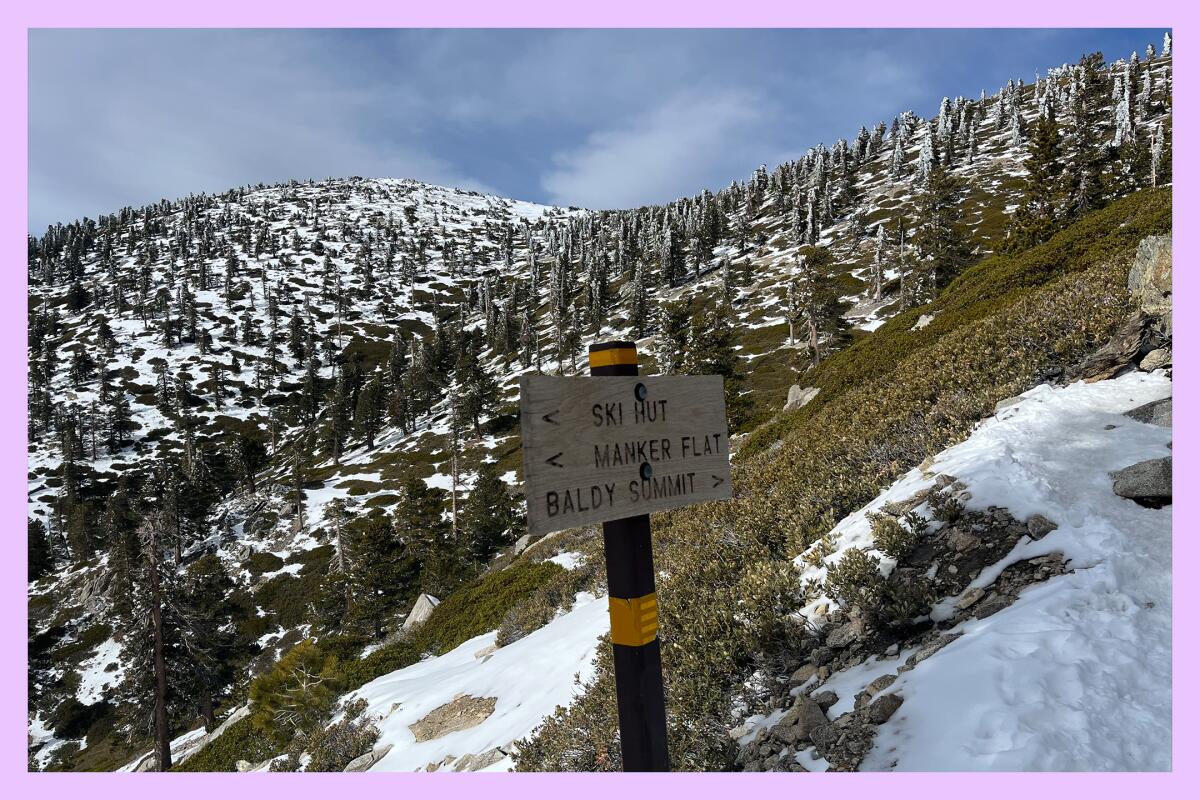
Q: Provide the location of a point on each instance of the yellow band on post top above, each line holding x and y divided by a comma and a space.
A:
634, 621
617, 355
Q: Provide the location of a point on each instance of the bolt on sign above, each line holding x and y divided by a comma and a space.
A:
604, 449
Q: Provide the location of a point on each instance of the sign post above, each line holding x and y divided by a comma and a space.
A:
613, 451
633, 611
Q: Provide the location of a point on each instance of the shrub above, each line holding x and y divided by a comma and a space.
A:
891, 537
331, 749
296, 693
241, 741
945, 507
543, 605
886, 402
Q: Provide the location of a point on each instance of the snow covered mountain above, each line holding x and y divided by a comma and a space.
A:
253, 374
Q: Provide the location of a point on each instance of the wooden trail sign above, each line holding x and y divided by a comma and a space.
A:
612, 448
599, 450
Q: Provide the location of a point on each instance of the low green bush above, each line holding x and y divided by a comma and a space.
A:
241, 741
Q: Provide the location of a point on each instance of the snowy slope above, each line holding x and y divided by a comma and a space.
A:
1076, 674
529, 679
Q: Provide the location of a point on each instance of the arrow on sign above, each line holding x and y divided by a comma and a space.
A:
554, 460
546, 418
717, 481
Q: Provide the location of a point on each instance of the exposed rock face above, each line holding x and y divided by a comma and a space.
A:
1147, 482
473, 762
1157, 413
368, 760
459, 714
1150, 279
421, 610
799, 396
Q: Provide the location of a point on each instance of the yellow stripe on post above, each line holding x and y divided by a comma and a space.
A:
634, 620
616, 355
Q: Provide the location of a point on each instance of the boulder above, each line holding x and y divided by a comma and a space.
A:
799, 396
884, 707
1159, 358
1038, 526
845, 635
1157, 412
473, 762
826, 699
521, 544
1147, 482
368, 760
800, 721
802, 675
923, 321
459, 714
1118, 354
1150, 278
421, 610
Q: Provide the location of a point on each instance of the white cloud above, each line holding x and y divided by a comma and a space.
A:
691, 141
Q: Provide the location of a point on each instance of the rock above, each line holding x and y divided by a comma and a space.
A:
1150, 278
421, 610
845, 635
923, 321
1038, 526
879, 684
1158, 358
931, 648
473, 762
802, 675
1157, 413
799, 396
825, 699
797, 725
902, 507
994, 603
1118, 353
1147, 482
243, 765
892, 649
520, 545
825, 736
969, 599
884, 707
485, 652
459, 714
368, 760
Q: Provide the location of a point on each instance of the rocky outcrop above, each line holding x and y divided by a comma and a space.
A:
1157, 412
1147, 483
1150, 280
800, 396
1120, 353
950, 557
459, 714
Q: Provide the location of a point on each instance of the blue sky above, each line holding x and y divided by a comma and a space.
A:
602, 119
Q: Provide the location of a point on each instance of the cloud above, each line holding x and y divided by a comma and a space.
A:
128, 117
691, 141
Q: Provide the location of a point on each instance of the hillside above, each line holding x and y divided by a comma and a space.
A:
301, 399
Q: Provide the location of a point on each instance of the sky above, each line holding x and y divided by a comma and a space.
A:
590, 118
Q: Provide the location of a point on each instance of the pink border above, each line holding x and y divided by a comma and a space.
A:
613, 13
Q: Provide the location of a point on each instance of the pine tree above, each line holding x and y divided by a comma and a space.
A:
40, 554
489, 518
941, 244
369, 413
381, 571
1039, 215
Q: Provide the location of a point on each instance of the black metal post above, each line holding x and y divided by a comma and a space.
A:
633, 609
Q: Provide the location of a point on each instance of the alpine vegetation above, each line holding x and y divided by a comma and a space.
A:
276, 519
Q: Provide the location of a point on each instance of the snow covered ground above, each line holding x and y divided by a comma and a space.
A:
1076, 674
529, 679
